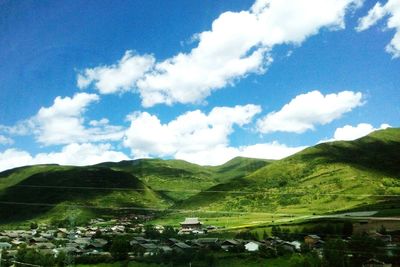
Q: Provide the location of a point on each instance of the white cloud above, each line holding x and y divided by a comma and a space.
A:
63, 122
392, 10
5, 140
197, 137
119, 77
72, 154
222, 153
348, 132
272, 150
188, 133
306, 111
237, 44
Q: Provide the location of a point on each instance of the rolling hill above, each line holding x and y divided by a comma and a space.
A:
67, 193
71, 193
329, 177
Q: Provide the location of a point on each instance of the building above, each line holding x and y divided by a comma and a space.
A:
252, 246
311, 240
191, 224
376, 263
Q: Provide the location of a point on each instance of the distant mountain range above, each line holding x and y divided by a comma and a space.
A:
331, 177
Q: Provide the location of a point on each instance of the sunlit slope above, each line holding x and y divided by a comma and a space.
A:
76, 194
329, 177
72, 193
179, 179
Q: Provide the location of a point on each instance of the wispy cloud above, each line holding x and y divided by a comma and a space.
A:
392, 10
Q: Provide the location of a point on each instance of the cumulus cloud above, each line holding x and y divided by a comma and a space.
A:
72, 154
306, 111
392, 10
63, 122
237, 44
198, 137
190, 132
222, 153
117, 77
348, 132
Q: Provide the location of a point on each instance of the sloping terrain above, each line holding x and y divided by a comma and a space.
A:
178, 179
71, 193
326, 178
76, 194
331, 177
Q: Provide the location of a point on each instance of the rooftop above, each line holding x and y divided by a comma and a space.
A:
191, 221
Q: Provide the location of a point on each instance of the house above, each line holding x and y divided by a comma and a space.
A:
191, 223
97, 244
165, 249
185, 231
384, 238
273, 241
311, 240
207, 242
230, 243
252, 246
62, 232
148, 249
376, 263
5, 245
181, 247
139, 239
172, 241
288, 247
45, 245
4, 238
35, 240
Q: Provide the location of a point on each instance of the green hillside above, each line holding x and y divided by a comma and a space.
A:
329, 177
71, 193
179, 179
76, 194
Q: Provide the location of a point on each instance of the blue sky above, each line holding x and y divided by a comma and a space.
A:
90, 81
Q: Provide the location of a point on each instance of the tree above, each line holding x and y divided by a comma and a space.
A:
347, 228
119, 248
382, 230
33, 225
335, 253
364, 248
276, 231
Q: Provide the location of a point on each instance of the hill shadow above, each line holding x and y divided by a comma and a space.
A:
51, 188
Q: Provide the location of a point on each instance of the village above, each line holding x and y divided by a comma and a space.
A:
96, 242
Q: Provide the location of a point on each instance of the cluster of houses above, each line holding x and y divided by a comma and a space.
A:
94, 240
88, 240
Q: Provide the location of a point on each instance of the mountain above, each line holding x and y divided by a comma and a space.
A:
326, 178
179, 179
67, 193
71, 193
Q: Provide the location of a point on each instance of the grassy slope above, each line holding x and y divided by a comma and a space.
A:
63, 202
145, 177
181, 179
303, 183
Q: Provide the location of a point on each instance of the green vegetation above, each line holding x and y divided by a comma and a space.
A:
325, 179
328, 178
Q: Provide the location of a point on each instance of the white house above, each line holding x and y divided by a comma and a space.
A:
252, 246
